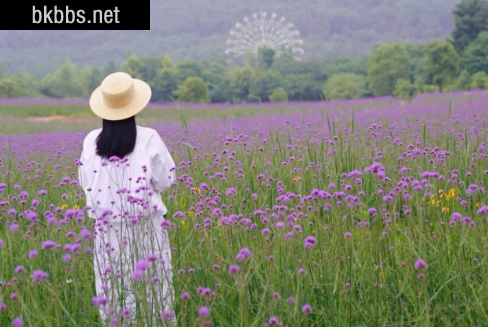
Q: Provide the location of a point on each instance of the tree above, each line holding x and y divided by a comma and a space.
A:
475, 56
386, 66
221, 92
167, 63
287, 65
193, 89
243, 83
441, 61
267, 82
417, 63
303, 87
134, 66
266, 57
464, 81
470, 18
189, 68
164, 84
66, 82
10, 89
404, 90
109, 69
419, 84
479, 80
152, 65
278, 95
29, 84
345, 65
345, 86
93, 78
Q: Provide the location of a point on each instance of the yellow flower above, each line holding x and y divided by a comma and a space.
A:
190, 214
296, 178
477, 204
197, 190
218, 223
64, 206
445, 209
184, 224
76, 207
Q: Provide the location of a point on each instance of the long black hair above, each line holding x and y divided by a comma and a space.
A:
118, 138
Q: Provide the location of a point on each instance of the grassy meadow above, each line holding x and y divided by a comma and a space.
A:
351, 213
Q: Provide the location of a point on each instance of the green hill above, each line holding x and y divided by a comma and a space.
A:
198, 29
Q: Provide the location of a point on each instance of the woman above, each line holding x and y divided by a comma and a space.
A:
123, 170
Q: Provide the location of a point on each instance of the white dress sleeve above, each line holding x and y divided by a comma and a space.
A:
162, 165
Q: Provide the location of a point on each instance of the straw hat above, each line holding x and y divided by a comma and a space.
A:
119, 97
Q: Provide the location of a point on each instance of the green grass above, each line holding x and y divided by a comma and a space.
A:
368, 279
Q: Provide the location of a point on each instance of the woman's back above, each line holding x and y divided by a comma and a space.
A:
127, 186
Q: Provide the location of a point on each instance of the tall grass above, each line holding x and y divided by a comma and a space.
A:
335, 211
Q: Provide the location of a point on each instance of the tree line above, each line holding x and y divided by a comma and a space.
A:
401, 70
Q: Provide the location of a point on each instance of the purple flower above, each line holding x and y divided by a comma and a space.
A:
19, 269
18, 322
244, 253
231, 191
48, 244
3, 306
310, 241
137, 274
347, 234
482, 210
99, 300
185, 296
42, 192
167, 314
280, 224
372, 211
306, 308
1, 243
142, 264
32, 216
420, 264
203, 311
39, 275
233, 269
273, 320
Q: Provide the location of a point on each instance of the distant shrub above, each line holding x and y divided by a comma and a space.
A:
404, 89
10, 89
463, 82
278, 95
193, 89
345, 86
479, 80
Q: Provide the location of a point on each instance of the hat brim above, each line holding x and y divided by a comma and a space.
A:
141, 98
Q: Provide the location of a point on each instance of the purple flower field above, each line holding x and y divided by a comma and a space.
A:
355, 213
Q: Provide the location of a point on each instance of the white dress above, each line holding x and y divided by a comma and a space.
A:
132, 261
